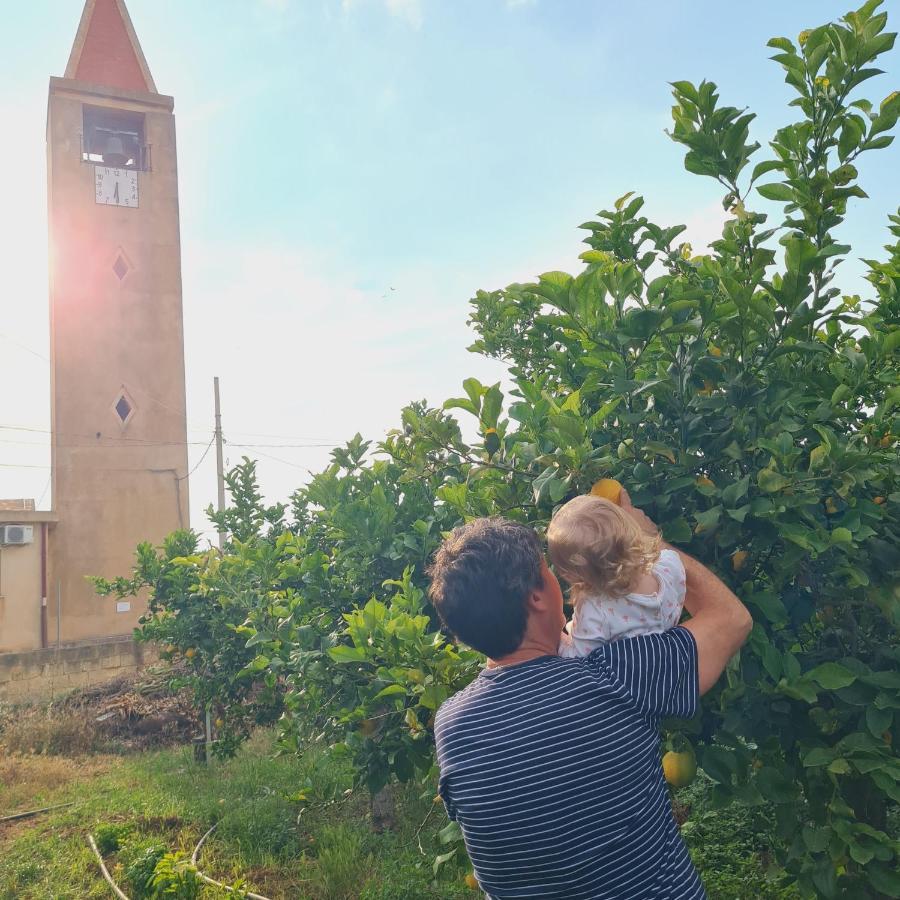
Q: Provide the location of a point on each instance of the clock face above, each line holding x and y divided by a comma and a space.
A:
116, 187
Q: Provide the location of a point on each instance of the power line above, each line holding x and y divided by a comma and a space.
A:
269, 456
199, 461
307, 444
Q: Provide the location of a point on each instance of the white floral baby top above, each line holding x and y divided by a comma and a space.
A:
600, 619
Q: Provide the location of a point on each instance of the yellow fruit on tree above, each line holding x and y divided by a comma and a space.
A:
739, 560
715, 351
368, 727
471, 881
608, 489
885, 441
878, 500
830, 508
219, 722
703, 481
679, 767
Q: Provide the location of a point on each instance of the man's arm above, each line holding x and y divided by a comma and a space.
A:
719, 622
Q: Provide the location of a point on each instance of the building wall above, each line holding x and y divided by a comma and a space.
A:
114, 486
45, 674
20, 595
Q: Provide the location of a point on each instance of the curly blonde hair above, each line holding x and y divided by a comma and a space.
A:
595, 546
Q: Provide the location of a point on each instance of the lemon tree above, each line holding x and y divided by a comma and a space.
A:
746, 400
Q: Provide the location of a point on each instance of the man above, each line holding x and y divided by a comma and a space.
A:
552, 766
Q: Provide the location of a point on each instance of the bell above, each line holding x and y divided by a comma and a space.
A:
114, 152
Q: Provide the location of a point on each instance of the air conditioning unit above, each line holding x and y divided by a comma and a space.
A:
16, 535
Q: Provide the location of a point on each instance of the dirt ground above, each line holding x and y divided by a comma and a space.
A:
122, 716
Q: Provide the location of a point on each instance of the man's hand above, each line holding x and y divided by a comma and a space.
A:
644, 522
719, 621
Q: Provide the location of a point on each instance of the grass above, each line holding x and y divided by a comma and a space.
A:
165, 800
320, 847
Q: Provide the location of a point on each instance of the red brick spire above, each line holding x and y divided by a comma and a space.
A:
107, 51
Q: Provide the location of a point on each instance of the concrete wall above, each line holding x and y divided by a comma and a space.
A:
20, 595
45, 674
21, 582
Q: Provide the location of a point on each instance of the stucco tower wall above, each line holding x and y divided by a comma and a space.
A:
114, 485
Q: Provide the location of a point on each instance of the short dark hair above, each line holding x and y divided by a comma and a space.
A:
481, 578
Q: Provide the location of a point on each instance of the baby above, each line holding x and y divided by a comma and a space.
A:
623, 584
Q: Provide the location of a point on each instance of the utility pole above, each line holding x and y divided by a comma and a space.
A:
220, 466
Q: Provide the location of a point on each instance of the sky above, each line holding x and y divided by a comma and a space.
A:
352, 171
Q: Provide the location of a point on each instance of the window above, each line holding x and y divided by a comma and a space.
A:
123, 409
114, 138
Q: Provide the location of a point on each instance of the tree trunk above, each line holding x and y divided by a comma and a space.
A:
383, 809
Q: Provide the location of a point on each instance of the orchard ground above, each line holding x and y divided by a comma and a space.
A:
290, 826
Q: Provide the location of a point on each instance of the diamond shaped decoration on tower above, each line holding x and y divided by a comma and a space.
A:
123, 408
121, 267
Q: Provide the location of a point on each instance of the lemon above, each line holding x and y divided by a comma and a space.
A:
607, 489
739, 560
679, 768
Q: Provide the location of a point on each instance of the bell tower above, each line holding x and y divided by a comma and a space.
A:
119, 451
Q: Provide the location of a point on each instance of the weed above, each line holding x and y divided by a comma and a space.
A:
109, 837
140, 866
53, 734
263, 827
175, 878
342, 865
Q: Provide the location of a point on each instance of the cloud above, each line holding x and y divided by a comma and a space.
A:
409, 11
308, 355
704, 226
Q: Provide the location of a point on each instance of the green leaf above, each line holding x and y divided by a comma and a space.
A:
832, 676
735, 491
678, 531
878, 721
392, 690
450, 833
461, 403
819, 756
884, 879
768, 165
345, 654
491, 406
817, 457
771, 481
841, 536
719, 764
442, 859
776, 191
816, 839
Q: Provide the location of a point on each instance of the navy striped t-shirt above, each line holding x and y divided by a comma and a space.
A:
552, 769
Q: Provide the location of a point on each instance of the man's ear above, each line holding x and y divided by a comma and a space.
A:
537, 601
539, 598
